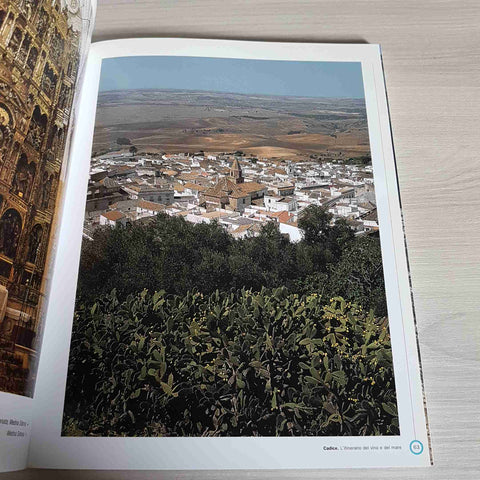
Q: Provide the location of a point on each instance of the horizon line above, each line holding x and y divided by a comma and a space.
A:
226, 93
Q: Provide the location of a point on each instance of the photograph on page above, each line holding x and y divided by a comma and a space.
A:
41, 44
231, 280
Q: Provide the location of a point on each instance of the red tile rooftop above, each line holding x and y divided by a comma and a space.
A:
250, 187
156, 207
113, 215
282, 217
188, 176
216, 214
170, 173
195, 186
242, 228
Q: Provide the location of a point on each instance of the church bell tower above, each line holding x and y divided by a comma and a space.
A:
236, 172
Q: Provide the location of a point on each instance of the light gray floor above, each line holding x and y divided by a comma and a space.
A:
431, 52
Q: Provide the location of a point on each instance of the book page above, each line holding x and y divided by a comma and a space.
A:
42, 45
231, 273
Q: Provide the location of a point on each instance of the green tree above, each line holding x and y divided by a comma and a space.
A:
323, 242
169, 254
174, 255
123, 141
358, 276
133, 150
265, 260
315, 223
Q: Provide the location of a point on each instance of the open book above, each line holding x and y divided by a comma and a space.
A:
202, 258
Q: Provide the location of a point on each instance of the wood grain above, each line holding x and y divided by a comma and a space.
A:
431, 53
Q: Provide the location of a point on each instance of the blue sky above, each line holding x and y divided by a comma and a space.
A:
267, 77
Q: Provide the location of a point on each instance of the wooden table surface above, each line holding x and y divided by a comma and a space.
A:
431, 53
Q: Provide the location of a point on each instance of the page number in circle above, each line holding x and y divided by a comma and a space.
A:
416, 447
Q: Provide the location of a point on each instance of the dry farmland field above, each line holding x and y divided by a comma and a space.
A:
268, 126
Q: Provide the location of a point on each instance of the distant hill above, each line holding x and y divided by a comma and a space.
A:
181, 120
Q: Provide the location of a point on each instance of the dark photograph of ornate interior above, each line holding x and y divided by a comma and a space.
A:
39, 48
